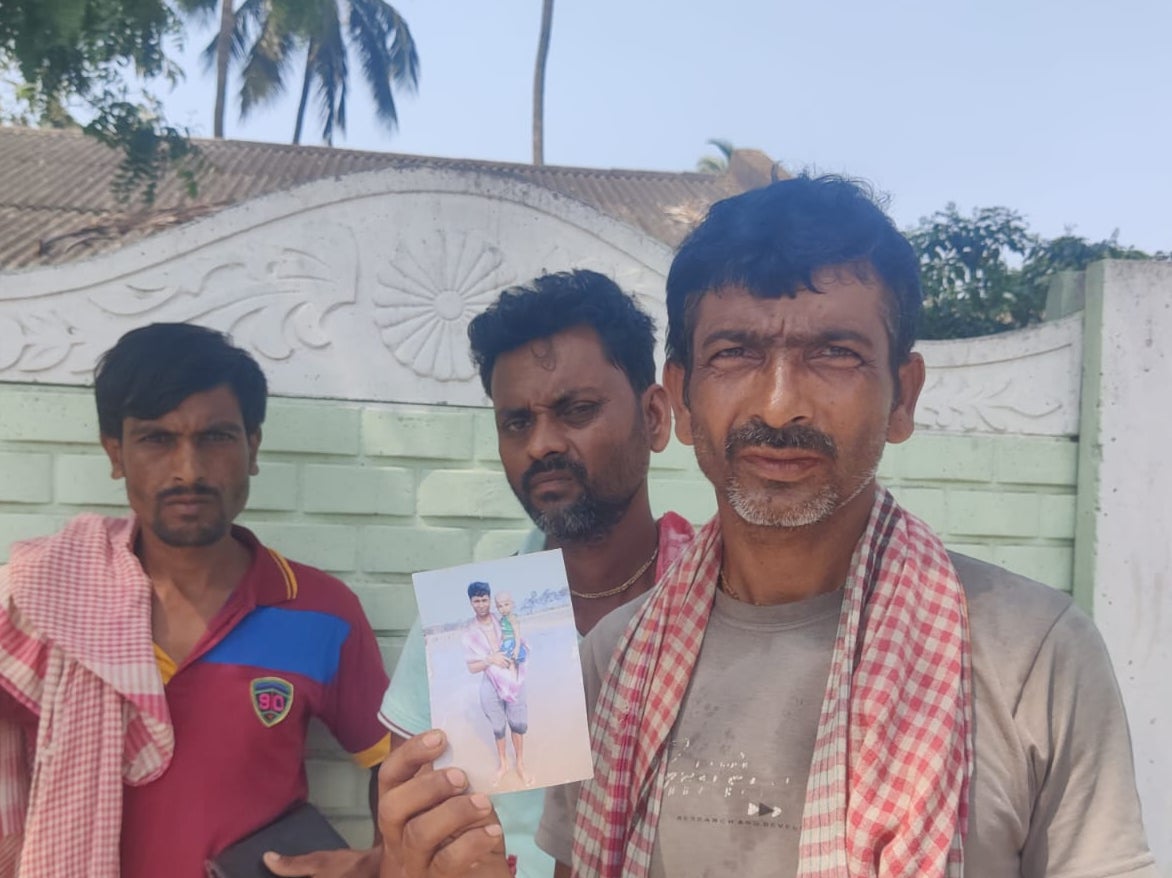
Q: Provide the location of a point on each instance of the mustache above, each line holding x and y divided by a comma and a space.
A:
186, 491
756, 433
553, 463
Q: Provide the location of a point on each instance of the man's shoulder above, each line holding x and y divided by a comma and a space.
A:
1012, 617
470, 634
323, 592
44, 570
603, 637
314, 577
1004, 600
85, 532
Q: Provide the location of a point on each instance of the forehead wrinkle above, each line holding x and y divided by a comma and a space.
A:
789, 340
829, 335
843, 275
147, 427
559, 398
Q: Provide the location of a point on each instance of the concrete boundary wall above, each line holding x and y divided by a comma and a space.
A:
362, 289
1123, 567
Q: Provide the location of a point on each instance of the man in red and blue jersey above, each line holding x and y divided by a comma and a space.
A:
248, 645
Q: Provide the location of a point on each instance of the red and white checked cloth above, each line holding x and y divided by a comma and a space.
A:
76, 648
888, 788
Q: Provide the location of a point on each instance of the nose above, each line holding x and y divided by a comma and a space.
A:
546, 438
187, 466
783, 393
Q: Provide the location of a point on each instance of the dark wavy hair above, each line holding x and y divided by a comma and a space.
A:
152, 369
772, 241
554, 303
478, 590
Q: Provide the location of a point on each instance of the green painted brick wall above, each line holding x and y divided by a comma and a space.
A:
1005, 499
372, 492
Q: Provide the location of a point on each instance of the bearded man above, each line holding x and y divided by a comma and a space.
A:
817, 687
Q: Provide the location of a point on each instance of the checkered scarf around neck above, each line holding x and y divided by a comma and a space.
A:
888, 788
76, 648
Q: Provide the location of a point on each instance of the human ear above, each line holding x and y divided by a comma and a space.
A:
902, 421
253, 448
675, 382
657, 416
113, 448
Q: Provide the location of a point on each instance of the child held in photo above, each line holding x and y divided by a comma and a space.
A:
513, 646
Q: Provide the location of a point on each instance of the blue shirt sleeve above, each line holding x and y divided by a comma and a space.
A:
406, 707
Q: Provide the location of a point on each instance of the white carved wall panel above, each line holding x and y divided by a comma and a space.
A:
362, 288
1024, 382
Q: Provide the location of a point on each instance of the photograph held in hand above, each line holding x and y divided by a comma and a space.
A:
504, 677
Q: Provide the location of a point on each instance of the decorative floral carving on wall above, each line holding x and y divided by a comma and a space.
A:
952, 401
37, 340
274, 301
429, 290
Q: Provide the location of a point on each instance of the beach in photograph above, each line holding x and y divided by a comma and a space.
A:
557, 745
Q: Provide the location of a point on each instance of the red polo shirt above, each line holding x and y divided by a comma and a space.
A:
291, 643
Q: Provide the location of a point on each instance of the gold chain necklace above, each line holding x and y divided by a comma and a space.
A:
727, 588
590, 596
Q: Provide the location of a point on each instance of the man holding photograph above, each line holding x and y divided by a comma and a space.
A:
569, 363
859, 701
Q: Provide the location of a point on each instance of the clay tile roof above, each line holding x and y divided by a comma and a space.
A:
56, 202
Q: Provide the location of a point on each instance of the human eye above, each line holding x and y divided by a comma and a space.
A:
218, 437
729, 353
155, 437
514, 424
581, 410
839, 355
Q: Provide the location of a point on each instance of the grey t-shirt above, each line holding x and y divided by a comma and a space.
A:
1053, 792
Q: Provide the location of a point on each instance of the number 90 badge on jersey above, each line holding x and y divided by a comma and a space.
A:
272, 699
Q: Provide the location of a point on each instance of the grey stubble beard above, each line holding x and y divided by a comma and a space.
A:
814, 510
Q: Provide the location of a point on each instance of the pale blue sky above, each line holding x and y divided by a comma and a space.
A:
1058, 109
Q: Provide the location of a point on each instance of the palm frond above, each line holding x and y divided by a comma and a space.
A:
369, 37
254, 15
263, 78
249, 16
387, 52
267, 35
404, 63
712, 165
200, 10
725, 146
208, 56
330, 73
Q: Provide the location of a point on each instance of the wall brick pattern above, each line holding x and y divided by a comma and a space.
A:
372, 492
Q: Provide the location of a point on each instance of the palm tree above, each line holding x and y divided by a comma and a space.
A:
385, 49
713, 165
224, 47
539, 83
267, 36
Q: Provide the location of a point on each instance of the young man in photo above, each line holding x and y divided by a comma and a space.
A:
501, 685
